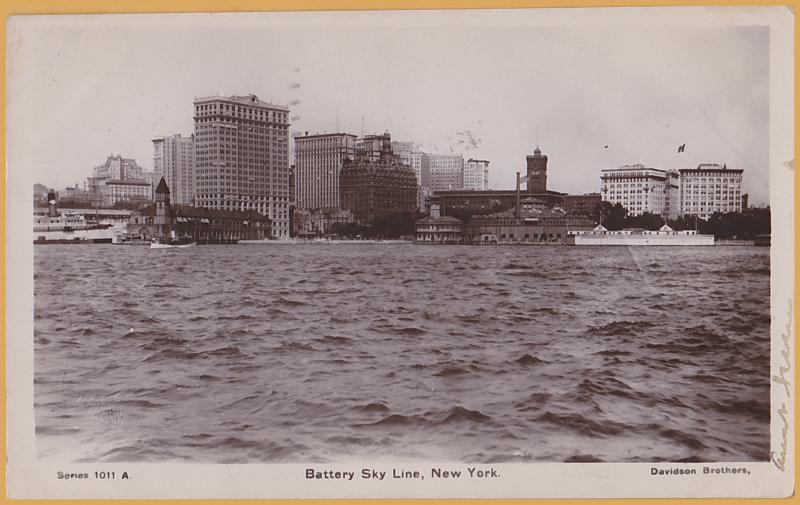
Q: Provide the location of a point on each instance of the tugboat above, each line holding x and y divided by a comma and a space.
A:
172, 241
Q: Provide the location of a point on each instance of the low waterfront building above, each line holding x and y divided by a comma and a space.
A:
710, 188
438, 229
664, 236
203, 225
533, 224
485, 202
318, 222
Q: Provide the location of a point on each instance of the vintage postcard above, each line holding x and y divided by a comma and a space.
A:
524, 253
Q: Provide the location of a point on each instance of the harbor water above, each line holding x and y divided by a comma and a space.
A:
336, 353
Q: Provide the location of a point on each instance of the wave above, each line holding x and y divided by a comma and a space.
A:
528, 360
461, 414
335, 339
290, 303
682, 438
582, 425
372, 407
450, 371
396, 420
619, 328
183, 355
411, 331
610, 387
583, 458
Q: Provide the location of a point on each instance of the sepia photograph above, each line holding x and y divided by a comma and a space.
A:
409, 246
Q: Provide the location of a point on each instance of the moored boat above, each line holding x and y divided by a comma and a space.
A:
55, 227
172, 242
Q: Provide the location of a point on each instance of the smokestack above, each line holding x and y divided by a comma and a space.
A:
516, 213
52, 210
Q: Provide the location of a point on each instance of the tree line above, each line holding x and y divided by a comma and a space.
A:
743, 225
389, 226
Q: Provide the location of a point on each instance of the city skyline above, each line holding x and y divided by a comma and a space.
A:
570, 90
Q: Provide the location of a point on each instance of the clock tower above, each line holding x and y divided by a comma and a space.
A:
537, 172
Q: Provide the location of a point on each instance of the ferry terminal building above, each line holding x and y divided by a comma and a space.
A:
205, 226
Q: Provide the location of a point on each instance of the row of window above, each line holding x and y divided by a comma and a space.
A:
250, 111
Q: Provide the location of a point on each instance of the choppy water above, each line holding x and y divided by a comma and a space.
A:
341, 352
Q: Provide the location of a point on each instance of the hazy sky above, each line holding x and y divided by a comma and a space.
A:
109, 85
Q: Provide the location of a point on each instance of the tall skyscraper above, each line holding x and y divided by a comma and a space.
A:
173, 159
537, 171
241, 159
318, 166
476, 175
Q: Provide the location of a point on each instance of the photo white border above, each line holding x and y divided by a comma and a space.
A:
27, 478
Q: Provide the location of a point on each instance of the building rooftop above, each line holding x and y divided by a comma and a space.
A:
201, 212
251, 100
525, 212
320, 135
637, 166
489, 193
713, 168
127, 182
162, 188
438, 220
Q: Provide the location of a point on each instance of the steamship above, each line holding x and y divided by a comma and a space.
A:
54, 227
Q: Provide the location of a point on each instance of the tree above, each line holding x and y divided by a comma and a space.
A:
647, 221
613, 215
393, 225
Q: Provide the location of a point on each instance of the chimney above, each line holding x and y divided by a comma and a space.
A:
52, 210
